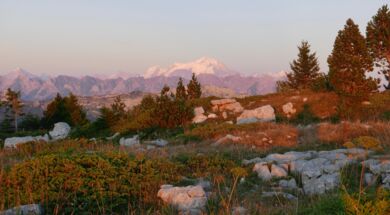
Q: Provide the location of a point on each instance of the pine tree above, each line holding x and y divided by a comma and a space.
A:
378, 41
181, 90
194, 89
349, 63
14, 105
77, 114
118, 107
305, 69
56, 111
64, 109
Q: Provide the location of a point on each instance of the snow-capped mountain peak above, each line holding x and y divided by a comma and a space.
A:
18, 73
204, 65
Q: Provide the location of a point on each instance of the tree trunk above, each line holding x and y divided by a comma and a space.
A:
16, 122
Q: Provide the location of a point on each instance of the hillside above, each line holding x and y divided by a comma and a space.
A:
266, 154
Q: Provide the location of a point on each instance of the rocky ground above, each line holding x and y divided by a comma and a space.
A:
293, 165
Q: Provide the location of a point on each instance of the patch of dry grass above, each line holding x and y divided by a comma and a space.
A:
347, 131
262, 135
323, 104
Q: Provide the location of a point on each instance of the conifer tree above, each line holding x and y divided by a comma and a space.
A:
118, 107
194, 88
14, 105
64, 109
305, 69
77, 114
348, 64
181, 90
378, 41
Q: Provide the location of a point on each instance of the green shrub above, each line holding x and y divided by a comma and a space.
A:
306, 116
385, 116
325, 205
87, 183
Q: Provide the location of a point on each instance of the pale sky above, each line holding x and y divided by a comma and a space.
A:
79, 37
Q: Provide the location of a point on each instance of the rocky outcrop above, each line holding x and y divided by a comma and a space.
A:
129, 142
32, 209
199, 115
12, 142
60, 131
230, 105
262, 114
319, 171
188, 200
267, 171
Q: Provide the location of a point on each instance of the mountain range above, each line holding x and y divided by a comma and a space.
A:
214, 76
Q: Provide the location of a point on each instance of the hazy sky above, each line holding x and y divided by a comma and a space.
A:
78, 37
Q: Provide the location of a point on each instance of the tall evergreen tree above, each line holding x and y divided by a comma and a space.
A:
56, 112
194, 89
378, 41
349, 63
15, 105
181, 90
77, 114
64, 109
305, 69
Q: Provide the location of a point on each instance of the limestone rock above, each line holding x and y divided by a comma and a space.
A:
199, 115
12, 142
32, 209
262, 171
134, 141
278, 172
60, 131
288, 184
188, 200
261, 114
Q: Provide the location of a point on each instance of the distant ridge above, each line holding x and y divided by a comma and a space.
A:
210, 72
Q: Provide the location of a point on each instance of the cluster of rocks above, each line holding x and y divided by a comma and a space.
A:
319, 171
32, 209
60, 131
264, 113
188, 200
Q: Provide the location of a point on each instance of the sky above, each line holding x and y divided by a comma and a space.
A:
80, 37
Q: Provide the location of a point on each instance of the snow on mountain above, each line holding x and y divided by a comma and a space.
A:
212, 74
203, 65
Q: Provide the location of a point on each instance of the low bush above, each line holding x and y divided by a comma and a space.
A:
306, 116
103, 183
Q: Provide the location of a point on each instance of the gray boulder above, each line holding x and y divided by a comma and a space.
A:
60, 131
32, 209
129, 142
199, 115
262, 114
188, 200
12, 142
